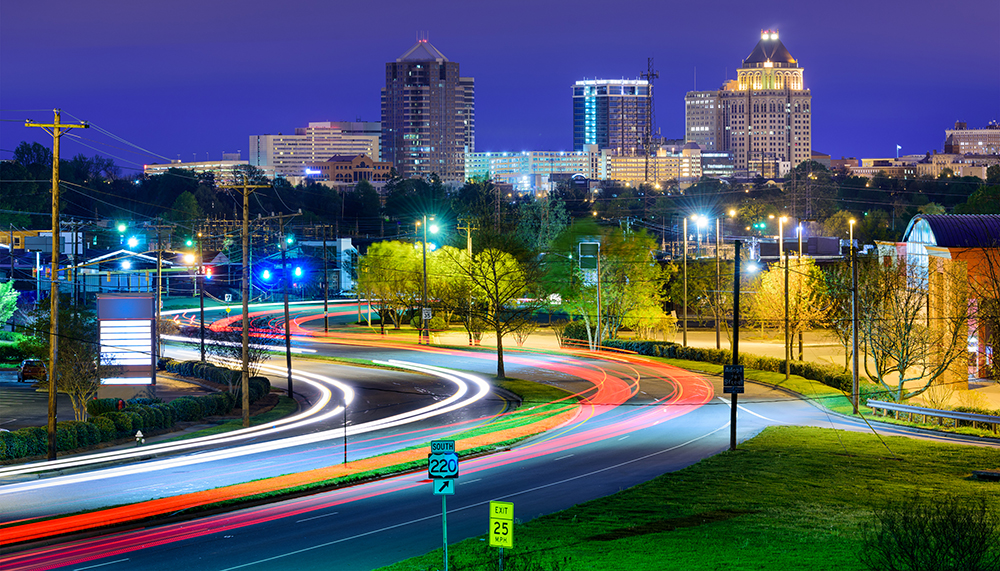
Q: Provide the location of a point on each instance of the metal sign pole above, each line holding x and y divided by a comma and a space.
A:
444, 528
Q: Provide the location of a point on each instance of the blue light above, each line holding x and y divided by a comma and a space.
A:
266, 275
298, 272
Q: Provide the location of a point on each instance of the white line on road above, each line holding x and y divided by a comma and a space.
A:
624, 437
564, 457
317, 517
101, 564
470, 481
475, 505
745, 409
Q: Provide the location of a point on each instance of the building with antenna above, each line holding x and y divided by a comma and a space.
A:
613, 114
428, 114
763, 118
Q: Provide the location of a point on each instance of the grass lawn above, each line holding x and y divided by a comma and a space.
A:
791, 498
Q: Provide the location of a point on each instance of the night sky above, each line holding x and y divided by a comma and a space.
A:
192, 79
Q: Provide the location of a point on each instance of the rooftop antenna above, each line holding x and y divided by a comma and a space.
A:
647, 142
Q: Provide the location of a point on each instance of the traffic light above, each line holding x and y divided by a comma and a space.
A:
588, 255
266, 275
298, 271
208, 272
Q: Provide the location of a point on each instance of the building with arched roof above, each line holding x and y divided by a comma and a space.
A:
942, 245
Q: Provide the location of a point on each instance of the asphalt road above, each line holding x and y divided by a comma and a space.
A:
643, 421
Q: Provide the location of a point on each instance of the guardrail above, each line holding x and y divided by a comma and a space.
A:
911, 411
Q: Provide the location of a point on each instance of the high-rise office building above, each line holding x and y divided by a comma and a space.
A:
428, 114
763, 118
703, 119
612, 114
288, 155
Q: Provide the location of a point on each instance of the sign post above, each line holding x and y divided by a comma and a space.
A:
442, 469
501, 526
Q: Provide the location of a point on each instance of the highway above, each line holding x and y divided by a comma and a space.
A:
640, 419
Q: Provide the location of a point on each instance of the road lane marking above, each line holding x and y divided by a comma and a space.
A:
624, 437
745, 409
469, 481
564, 457
317, 517
475, 505
101, 564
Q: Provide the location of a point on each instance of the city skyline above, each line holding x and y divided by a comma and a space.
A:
192, 84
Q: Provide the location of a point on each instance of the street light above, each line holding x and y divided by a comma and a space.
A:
425, 334
781, 237
684, 323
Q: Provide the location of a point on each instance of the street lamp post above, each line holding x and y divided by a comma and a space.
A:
425, 334
718, 284
284, 287
854, 322
781, 237
684, 324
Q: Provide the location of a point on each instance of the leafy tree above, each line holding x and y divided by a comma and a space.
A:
78, 372
839, 225
993, 175
808, 301
540, 221
910, 348
501, 286
839, 282
391, 275
186, 208
8, 300
985, 200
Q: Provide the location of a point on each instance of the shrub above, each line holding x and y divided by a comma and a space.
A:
169, 415
576, 331
97, 407
12, 353
187, 409
944, 534
86, 433
147, 420
66, 438
106, 427
12, 445
123, 423
137, 421
36, 439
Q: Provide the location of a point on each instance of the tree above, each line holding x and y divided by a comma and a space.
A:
839, 283
913, 321
8, 300
186, 208
993, 175
390, 275
224, 346
540, 221
500, 289
78, 372
839, 224
808, 303
985, 200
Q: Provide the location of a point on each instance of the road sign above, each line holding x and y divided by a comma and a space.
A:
501, 524
444, 486
229, 297
426, 313
732, 378
442, 465
442, 446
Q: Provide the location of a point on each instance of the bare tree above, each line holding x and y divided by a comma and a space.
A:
914, 321
224, 346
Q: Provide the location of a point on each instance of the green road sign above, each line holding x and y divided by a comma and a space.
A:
444, 486
501, 524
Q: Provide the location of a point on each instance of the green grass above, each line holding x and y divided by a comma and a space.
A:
285, 407
791, 498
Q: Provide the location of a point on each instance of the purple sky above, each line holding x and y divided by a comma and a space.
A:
195, 78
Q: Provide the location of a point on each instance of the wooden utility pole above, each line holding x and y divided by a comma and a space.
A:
57, 130
284, 286
246, 189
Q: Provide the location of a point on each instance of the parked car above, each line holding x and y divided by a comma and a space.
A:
33, 369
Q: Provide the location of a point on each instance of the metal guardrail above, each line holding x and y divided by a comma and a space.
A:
910, 411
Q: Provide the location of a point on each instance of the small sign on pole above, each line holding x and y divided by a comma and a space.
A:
442, 462
501, 524
732, 379
444, 486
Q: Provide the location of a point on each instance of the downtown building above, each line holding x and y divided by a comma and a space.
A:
613, 114
763, 118
289, 155
532, 171
428, 115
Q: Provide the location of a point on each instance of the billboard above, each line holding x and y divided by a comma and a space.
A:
128, 337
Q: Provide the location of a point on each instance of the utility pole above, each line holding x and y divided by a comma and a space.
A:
788, 347
684, 324
58, 129
736, 338
854, 325
284, 286
201, 297
246, 188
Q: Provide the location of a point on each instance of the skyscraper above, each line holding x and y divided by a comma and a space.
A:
428, 114
763, 118
612, 114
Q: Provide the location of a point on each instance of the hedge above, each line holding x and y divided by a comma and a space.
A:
828, 375
12, 353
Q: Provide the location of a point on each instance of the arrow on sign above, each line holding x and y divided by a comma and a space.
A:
445, 486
